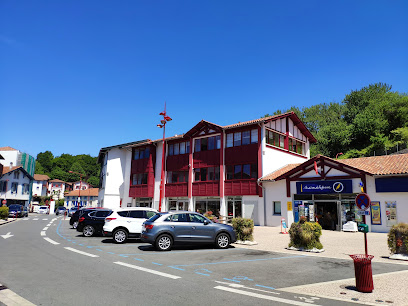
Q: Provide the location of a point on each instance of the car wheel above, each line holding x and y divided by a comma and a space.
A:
75, 225
120, 236
164, 242
88, 231
222, 241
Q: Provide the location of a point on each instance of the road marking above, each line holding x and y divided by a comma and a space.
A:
262, 286
262, 296
35, 219
51, 241
26, 219
147, 270
242, 286
45, 219
80, 252
43, 233
45, 228
8, 235
8, 297
238, 261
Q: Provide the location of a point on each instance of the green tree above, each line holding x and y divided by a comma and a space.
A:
45, 159
94, 181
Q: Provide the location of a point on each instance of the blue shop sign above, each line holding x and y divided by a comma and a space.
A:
321, 187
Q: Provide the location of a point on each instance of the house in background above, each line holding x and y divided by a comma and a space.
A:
56, 189
15, 185
82, 198
40, 185
80, 185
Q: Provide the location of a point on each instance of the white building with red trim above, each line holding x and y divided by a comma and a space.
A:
209, 168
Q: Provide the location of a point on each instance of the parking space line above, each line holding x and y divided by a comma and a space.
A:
51, 241
45, 228
147, 270
262, 286
239, 261
262, 296
43, 233
80, 252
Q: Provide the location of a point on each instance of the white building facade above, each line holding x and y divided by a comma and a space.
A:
15, 186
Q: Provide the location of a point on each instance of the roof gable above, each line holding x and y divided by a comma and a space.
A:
203, 128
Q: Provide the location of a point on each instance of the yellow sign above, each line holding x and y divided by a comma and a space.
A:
289, 206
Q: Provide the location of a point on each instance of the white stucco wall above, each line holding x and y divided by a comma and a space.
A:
113, 185
276, 192
23, 179
9, 157
39, 188
157, 177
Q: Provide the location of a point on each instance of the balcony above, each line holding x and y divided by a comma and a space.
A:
177, 190
241, 187
206, 189
141, 191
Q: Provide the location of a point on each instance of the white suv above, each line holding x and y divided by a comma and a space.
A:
127, 222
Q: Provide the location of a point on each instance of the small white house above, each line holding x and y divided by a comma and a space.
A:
82, 198
40, 185
56, 189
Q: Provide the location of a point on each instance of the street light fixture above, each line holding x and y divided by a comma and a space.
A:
80, 185
162, 125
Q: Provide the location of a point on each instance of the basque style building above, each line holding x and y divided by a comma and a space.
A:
209, 168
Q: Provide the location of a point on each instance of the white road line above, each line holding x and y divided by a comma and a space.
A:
8, 297
26, 219
43, 233
245, 287
45, 219
80, 252
263, 296
45, 228
147, 270
51, 241
35, 219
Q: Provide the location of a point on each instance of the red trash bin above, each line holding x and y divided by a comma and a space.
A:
363, 272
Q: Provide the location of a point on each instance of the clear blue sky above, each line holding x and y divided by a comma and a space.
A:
76, 76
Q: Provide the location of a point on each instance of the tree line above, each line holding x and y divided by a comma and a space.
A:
370, 121
58, 167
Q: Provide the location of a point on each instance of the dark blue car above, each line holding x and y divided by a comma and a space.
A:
17, 211
164, 229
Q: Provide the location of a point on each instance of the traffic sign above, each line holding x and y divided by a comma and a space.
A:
4, 202
363, 201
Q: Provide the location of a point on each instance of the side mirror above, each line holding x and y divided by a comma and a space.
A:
206, 222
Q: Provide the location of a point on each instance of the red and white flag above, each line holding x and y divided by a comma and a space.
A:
315, 166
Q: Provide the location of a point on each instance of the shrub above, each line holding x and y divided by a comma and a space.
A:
4, 211
244, 228
398, 239
305, 235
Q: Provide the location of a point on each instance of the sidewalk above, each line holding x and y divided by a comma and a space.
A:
390, 288
7, 221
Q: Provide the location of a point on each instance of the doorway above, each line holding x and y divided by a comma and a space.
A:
234, 208
327, 215
178, 205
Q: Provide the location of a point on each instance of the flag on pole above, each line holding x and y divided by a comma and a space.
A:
315, 166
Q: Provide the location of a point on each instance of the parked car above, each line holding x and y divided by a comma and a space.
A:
91, 222
165, 229
17, 211
60, 210
43, 210
71, 211
127, 223
73, 221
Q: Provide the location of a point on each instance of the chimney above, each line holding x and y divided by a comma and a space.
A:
11, 165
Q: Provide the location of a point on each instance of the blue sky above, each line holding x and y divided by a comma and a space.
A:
76, 76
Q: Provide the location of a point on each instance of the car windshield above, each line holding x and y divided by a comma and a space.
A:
14, 207
155, 217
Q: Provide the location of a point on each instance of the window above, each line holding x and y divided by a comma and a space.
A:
179, 148
16, 175
238, 172
176, 149
196, 218
139, 179
277, 208
137, 214
230, 139
237, 139
177, 177
207, 174
208, 143
3, 186
296, 146
141, 153
14, 187
177, 218
182, 148
103, 213
242, 138
275, 139
25, 189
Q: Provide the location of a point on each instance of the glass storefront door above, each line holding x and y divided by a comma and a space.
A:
204, 206
178, 205
234, 207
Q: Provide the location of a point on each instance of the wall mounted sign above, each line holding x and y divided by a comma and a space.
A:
289, 206
375, 213
322, 187
391, 212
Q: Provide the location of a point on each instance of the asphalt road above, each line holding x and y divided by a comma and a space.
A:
48, 263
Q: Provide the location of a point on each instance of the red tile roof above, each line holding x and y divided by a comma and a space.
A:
374, 165
7, 149
41, 177
380, 165
7, 169
56, 181
91, 192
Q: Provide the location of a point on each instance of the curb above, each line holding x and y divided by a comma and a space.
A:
5, 222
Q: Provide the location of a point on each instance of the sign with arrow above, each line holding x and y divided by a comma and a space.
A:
8, 235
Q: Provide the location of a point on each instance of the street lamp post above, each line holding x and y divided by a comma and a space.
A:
80, 185
162, 125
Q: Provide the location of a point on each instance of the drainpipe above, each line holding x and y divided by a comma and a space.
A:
264, 198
